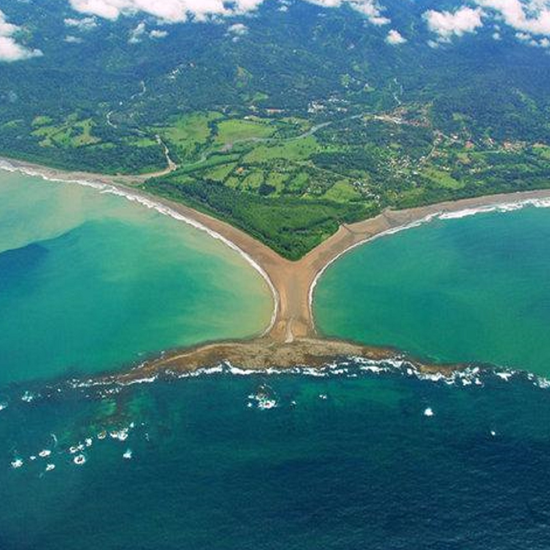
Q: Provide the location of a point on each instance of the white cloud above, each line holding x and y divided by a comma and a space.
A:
73, 39
529, 16
528, 39
395, 38
137, 34
170, 11
369, 8
156, 33
140, 32
447, 24
10, 49
177, 11
84, 24
238, 29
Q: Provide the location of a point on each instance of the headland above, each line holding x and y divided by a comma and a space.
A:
292, 338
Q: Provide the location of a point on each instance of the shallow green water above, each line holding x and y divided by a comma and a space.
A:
89, 282
470, 289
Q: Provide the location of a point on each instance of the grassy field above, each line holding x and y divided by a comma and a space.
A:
292, 189
72, 133
228, 132
188, 135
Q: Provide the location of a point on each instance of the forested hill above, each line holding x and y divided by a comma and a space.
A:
290, 119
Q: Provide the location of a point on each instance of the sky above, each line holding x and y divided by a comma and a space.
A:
528, 19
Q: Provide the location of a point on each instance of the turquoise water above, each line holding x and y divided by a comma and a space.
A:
470, 289
361, 455
90, 282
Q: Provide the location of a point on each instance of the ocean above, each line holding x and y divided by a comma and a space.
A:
90, 282
470, 289
356, 460
357, 455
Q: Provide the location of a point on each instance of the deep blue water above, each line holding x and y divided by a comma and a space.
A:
341, 463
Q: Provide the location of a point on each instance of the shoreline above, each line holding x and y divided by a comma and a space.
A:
263, 355
162, 206
541, 200
292, 336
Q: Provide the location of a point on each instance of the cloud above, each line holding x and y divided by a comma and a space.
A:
170, 11
84, 24
528, 39
447, 24
73, 39
177, 11
395, 38
527, 16
10, 49
140, 32
158, 34
238, 29
369, 8
137, 34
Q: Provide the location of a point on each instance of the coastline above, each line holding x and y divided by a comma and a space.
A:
126, 190
263, 355
441, 211
291, 337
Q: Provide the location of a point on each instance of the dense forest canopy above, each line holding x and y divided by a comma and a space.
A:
285, 117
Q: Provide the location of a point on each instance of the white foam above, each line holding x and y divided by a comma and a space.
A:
17, 463
467, 213
76, 448
28, 397
79, 460
543, 383
504, 207
121, 435
264, 399
128, 454
145, 380
351, 367
429, 412
266, 404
